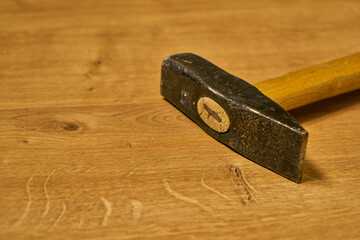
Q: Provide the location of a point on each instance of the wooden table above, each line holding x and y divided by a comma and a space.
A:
90, 150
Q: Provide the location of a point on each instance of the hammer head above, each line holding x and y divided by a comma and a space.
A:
235, 113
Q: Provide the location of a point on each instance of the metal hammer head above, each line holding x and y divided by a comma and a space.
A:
235, 113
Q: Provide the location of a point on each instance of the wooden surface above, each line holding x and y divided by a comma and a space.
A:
90, 150
314, 83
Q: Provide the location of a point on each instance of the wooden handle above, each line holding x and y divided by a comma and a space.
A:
312, 84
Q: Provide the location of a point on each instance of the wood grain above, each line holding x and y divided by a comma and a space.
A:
89, 149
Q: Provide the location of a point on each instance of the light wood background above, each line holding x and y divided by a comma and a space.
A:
90, 150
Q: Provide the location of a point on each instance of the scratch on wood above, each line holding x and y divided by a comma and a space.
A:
37, 227
108, 207
186, 199
28, 205
47, 207
90, 169
242, 186
81, 222
213, 190
60, 216
131, 172
248, 184
137, 211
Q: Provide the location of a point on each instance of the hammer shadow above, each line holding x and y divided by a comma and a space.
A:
310, 172
317, 110
325, 107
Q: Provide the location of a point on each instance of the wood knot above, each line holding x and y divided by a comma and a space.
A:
70, 126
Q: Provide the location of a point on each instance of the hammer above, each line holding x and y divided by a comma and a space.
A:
253, 120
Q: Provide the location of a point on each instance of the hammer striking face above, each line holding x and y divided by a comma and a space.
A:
235, 113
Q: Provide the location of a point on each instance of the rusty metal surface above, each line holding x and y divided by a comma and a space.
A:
260, 129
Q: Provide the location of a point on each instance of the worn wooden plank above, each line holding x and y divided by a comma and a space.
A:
89, 149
